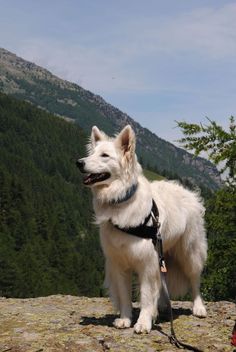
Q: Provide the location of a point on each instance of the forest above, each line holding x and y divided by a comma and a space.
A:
48, 243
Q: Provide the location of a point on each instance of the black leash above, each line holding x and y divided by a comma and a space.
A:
153, 232
172, 337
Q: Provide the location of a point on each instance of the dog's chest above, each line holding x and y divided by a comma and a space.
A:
114, 238
127, 249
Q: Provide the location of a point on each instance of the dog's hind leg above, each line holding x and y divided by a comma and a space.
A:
119, 284
199, 309
192, 262
194, 268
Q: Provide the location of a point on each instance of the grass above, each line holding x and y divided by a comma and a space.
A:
152, 176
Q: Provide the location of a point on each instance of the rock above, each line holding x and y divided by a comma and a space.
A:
67, 323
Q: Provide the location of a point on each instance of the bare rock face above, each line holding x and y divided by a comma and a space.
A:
67, 323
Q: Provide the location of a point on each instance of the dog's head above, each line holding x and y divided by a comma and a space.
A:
108, 158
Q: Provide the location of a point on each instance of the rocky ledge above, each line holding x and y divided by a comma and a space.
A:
67, 323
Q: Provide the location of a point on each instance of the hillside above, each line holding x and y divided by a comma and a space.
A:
30, 82
67, 323
47, 241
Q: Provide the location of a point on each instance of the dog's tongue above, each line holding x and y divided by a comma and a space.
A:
88, 179
91, 178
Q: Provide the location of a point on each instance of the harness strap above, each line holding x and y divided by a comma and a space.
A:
143, 230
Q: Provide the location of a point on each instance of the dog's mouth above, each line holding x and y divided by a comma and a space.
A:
90, 179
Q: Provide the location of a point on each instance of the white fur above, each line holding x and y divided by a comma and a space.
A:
182, 228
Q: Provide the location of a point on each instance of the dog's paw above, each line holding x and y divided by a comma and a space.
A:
120, 323
143, 326
199, 311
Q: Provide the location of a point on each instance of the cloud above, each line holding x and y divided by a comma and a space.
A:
90, 67
207, 32
132, 56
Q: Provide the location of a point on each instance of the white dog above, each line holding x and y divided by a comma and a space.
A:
122, 199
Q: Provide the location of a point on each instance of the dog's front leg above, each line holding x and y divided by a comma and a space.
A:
120, 293
149, 290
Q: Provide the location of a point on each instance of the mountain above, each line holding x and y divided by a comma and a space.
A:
47, 241
27, 81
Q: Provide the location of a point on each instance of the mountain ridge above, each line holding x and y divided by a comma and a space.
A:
28, 81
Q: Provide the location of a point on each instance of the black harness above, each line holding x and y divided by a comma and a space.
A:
153, 232
144, 230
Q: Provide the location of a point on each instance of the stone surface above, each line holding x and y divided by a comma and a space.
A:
68, 323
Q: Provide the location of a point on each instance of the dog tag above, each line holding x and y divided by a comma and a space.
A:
163, 267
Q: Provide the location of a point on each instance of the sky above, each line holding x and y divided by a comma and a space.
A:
158, 61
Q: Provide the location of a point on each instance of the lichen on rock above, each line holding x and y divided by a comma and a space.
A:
68, 323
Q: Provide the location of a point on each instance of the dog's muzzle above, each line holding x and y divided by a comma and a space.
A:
80, 164
91, 178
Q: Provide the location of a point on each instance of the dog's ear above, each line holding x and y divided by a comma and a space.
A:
96, 136
126, 140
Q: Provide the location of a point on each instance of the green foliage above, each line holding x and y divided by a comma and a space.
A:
219, 280
58, 99
152, 176
47, 241
220, 144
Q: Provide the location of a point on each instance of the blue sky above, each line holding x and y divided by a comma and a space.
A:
158, 61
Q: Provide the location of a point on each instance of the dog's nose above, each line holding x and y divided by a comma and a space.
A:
80, 164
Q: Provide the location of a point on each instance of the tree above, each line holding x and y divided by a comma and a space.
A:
219, 280
213, 139
46, 231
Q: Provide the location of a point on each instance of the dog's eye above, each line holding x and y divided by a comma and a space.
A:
104, 155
